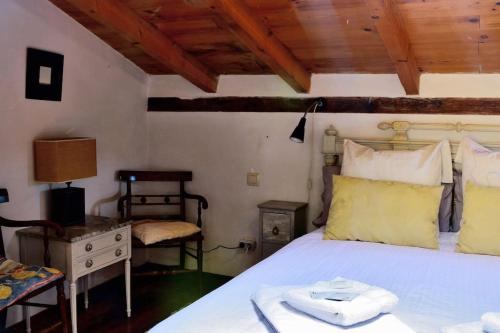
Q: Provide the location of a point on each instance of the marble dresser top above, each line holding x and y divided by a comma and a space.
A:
94, 225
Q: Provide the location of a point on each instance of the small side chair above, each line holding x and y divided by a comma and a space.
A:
19, 282
168, 228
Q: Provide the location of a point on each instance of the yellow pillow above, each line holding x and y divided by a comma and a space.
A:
480, 231
384, 211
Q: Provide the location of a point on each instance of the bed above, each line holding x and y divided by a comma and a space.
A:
436, 288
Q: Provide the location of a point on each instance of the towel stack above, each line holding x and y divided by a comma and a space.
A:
490, 323
340, 302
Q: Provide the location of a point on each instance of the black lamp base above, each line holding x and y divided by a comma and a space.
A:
67, 206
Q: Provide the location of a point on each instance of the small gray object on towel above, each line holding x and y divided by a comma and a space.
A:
334, 295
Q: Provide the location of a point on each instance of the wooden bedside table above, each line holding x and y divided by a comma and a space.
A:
83, 249
280, 223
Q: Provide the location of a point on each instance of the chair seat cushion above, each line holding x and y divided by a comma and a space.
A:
153, 231
18, 280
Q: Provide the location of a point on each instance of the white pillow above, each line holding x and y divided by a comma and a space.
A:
430, 165
479, 164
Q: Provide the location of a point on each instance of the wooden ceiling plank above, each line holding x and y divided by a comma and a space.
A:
393, 34
117, 16
251, 32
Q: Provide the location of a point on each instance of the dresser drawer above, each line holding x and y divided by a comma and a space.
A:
276, 227
92, 245
87, 265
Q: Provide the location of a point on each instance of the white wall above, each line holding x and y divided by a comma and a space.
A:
221, 148
375, 85
271, 85
104, 96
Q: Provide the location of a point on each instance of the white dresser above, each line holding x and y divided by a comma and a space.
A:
83, 249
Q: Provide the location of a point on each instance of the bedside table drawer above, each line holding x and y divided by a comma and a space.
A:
93, 245
276, 227
88, 265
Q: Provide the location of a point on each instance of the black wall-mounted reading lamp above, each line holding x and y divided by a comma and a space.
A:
299, 131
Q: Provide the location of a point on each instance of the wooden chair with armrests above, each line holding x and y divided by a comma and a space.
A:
178, 231
19, 283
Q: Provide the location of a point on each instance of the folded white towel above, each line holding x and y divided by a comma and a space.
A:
474, 327
371, 301
286, 319
491, 322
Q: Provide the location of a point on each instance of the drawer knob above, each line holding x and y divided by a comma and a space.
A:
89, 263
118, 252
118, 237
276, 231
88, 247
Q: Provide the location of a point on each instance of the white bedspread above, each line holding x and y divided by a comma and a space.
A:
435, 288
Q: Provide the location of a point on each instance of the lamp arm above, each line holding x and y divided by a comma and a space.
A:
317, 103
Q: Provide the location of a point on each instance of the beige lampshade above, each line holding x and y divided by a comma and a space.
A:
64, 160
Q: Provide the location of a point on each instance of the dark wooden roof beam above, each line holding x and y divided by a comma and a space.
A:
235, 16
392, 31
117, 16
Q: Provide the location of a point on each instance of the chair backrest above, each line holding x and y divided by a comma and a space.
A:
130, 200
4, 197
2, 248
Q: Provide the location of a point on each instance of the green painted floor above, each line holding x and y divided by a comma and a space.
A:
154, 298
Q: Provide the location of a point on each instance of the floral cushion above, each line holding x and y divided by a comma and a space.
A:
18, 280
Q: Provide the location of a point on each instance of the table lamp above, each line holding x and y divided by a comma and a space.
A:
63, 161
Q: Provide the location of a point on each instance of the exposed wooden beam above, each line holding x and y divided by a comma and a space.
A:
237, 17
392, 31
117, 16
484, 106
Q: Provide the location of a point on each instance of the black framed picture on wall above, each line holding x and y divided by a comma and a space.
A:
44, 75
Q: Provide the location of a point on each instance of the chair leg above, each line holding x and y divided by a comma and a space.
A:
61, 301
27, 317
3, 320
182, 254
199, 262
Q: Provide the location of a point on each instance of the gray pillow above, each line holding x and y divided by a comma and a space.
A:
326, 197
445, 208
458, 201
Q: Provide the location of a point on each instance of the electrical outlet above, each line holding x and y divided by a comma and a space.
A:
248, 245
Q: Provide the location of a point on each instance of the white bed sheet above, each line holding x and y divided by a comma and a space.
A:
435, 288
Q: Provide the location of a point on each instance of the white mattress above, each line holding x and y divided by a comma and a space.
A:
435, 288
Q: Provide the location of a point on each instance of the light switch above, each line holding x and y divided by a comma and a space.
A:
253, 178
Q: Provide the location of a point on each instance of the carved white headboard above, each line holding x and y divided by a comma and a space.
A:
333, 144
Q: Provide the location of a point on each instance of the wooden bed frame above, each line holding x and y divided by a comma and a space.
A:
333, 145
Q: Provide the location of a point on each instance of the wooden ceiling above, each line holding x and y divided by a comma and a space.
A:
201, 39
